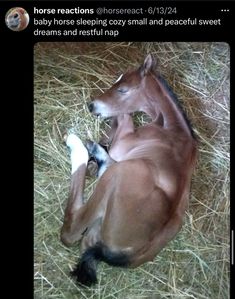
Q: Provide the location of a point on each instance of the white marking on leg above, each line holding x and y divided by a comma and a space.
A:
119, 78
102, 169
79, 154
103, 156
101, 153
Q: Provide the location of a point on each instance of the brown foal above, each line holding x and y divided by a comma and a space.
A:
144, 180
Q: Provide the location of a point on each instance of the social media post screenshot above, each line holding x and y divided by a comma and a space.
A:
126, 108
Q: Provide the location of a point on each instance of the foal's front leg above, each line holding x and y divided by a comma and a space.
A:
105, 142
101, 156
107, 139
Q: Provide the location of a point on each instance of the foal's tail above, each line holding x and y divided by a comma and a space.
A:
85, 272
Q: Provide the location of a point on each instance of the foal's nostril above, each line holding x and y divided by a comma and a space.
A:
91, 107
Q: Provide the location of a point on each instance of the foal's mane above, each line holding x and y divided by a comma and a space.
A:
174, 97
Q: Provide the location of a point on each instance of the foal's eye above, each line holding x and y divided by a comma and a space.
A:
122, 89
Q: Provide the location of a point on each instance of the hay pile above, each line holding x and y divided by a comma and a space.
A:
67, 75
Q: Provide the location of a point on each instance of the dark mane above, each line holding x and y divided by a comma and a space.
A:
177, 102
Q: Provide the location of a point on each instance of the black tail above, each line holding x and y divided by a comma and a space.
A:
85, 272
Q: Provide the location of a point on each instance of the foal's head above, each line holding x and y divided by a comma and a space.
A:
17, 19
127, 95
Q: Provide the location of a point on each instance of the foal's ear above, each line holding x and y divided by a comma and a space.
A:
148, 65
20, 10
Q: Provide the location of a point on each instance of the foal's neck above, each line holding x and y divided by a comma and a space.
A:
160, 101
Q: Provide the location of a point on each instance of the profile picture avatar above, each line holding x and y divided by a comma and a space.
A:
17, 19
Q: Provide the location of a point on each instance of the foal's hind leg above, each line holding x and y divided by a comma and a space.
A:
75, 207
102, 157
80, 216
92, 235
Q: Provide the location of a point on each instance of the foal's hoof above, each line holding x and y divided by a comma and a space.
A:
92, 169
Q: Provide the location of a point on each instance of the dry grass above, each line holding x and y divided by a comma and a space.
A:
196, 263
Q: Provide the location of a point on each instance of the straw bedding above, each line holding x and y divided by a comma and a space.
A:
66, 76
